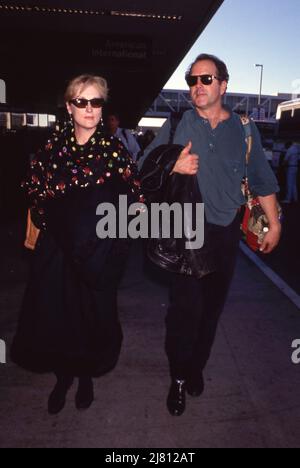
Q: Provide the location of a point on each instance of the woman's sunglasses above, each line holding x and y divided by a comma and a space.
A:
81, 103
207, 80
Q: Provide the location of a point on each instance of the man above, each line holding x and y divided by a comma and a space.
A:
215, 151
128, 140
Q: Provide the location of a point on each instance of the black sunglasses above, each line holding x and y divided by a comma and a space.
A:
207, 80
82, 103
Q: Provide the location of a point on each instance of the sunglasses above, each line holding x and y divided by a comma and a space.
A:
82, 103
207, 80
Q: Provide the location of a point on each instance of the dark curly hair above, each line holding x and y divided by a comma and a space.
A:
223, 74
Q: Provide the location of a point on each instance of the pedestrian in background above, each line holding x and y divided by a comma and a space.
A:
127, 138
291, 162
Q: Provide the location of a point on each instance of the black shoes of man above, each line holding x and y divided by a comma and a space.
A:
84, 396
176, 401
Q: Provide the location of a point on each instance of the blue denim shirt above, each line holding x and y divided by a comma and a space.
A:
222, 153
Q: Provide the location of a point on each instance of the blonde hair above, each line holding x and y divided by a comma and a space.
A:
79, 84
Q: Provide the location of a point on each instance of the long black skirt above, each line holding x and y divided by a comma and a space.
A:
65, 326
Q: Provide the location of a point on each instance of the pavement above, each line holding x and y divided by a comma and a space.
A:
251, 398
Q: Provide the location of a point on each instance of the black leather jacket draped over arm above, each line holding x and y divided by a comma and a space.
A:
161, 186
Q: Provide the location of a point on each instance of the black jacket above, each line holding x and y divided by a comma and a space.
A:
71, 222
160, 187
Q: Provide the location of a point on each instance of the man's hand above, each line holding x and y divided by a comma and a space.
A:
271, 239
187, 163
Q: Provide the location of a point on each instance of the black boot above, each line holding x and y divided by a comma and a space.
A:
176, 398
57, 398
195, 385
85, 393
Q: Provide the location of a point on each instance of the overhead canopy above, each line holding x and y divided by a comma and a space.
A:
135, 44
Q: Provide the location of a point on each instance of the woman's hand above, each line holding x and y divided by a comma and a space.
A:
187, 163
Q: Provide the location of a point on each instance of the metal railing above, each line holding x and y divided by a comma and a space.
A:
170, 101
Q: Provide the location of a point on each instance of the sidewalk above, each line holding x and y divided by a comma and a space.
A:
252, 387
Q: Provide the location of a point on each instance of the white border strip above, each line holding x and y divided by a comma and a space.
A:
284, 288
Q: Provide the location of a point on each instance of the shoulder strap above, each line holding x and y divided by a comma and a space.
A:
246, 122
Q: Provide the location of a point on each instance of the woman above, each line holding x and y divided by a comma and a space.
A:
69, 322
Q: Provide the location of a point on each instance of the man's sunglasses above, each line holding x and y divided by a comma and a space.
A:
207, 80
81, 103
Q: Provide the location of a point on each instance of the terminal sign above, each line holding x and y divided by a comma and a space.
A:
122, 49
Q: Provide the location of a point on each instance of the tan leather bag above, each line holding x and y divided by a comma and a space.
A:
32, 233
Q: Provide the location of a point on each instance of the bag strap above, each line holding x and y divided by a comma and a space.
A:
246, 122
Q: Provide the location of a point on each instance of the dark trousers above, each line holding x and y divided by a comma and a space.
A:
196, 306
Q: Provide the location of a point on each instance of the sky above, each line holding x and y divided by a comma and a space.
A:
248, 32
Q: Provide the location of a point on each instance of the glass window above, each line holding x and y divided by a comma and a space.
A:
4, 119
2, 92
32, 120
18, 121
43, 120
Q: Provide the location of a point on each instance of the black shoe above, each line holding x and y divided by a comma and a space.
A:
57, 398
85, 393
195, 386
176, 398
